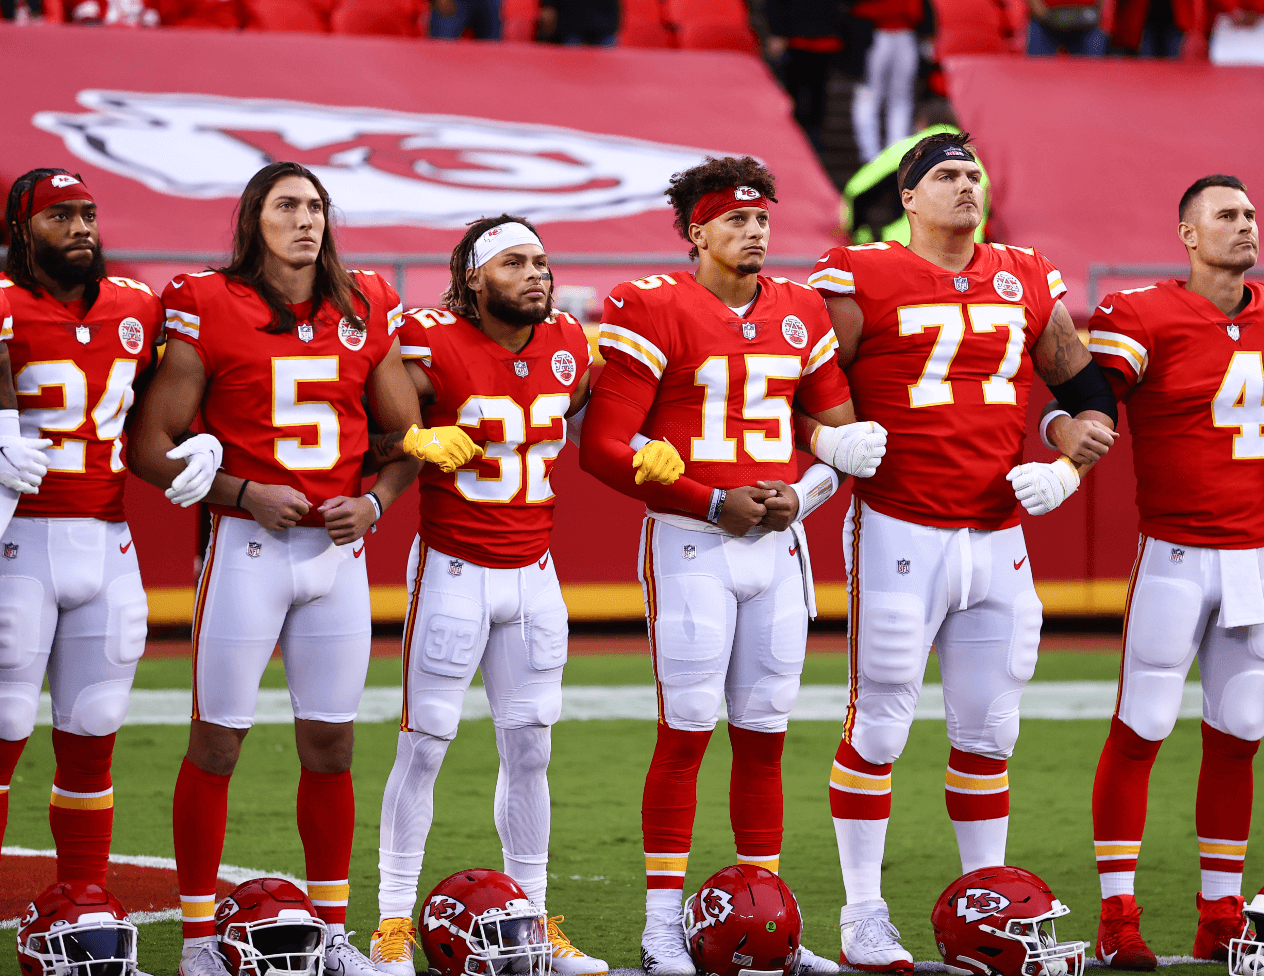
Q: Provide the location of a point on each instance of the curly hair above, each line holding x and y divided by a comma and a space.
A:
20, 264
928, 145
458, 297
688, 187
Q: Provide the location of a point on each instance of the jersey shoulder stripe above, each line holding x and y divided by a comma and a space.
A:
832, 280
1119, 345
189, 324
821, 353
1056, 286
632, 343
6, 329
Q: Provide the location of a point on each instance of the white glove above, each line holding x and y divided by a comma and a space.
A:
1041, 487
202, 455
857, 448
22, 465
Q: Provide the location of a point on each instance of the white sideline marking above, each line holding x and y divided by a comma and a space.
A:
1059, 700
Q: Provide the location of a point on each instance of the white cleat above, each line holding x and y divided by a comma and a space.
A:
808, 964
203, 960
344, 960
569, 961
664, 952
391, 950
870, 942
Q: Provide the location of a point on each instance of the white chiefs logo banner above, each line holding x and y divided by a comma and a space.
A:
440, 911
381, 167
979, 903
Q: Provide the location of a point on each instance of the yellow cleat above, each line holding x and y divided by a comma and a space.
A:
391, 949
447, 446
659, 462
567, 960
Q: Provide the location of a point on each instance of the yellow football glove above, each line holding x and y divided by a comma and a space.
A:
658, 461
446, 445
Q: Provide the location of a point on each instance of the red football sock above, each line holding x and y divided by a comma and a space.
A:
976, 787
755, 797
199, 816
859, 790
1222, 813
81, 808
10, 752
669, 803
1120, 791
326, 823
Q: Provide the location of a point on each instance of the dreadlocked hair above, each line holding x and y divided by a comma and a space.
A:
688, 187
928, 145
20, 264
458, 297
334, 284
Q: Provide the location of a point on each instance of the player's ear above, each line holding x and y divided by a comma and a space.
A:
1187, 234
698, 235
906, 198
474, 279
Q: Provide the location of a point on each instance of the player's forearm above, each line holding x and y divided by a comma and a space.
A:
395, 477
8, 395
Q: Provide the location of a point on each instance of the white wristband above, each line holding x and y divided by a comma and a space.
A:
9, 425
818, 483
575, 423
1044, 428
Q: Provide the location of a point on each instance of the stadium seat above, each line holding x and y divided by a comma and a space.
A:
397, 18
706, 11
645, 34
723, 36
306, 16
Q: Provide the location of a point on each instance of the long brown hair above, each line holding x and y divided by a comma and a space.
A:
333, 285
458, 297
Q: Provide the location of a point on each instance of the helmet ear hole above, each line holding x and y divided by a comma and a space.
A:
445, 949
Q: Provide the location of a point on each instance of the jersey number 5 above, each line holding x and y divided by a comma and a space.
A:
931, 388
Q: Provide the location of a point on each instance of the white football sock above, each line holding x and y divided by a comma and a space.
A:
522, 807
407, 812
861, 844
981, 842
335, 929
1218, 884
202, 941
664, 902
1118, 883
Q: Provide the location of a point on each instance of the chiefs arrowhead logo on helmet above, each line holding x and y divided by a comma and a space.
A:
440, 911
716, 903
979, 903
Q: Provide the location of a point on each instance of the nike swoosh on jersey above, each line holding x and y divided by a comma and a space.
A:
617, 302
1019, 564
1108, 310
176, 285
124, 547
357, 554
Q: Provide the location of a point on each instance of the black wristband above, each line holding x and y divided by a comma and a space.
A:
241, 492
1088, 390
376, 501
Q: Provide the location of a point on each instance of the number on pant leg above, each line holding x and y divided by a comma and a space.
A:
449, 645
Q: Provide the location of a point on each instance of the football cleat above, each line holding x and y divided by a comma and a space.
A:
664, 952
203, 960
1219, 923
870, 942
1119, 942
344, 960
391, 949
569, 961
808, 964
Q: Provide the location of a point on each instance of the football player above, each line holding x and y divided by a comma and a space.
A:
1185, 357
714, 360
71, 602
939, 340
276, 351
497, 366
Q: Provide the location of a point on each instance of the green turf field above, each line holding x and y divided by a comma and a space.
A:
596, 777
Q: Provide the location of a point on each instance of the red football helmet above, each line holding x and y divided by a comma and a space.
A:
76, 929
1246, 953
480, 922
994, 920
743, 920
268, 925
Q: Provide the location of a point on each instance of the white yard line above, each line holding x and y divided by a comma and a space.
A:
1061, 700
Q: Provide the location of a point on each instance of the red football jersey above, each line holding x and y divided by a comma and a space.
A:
1195, 410
944, 364
6, 314
74, 378
287, 407
498, 510
717, 385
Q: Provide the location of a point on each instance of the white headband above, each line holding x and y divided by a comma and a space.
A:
495, 240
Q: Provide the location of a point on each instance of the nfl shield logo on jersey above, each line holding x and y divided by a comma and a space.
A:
83, 333
1007, 287
306, 333
564, 367
253, 549
352, 337
748, 331
1233, 331
961, 284
456, 567
132, 335
520, 368
10, 550
903, 566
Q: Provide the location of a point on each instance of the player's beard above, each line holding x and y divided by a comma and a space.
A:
518, 314
65, 272
751, 265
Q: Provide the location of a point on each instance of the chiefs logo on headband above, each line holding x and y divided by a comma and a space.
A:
711, 206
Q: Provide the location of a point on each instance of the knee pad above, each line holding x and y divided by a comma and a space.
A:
19, 706
454, 635
20, 605
431, 713
766, 706
1152, 702
1025, 645
547, 631
129, 621
99, 709
1242, 711
999, 734
879, 743
1164, 622
692, 708
892, 631
535, 705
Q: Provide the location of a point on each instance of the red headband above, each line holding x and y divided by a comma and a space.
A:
56, 189
716, 203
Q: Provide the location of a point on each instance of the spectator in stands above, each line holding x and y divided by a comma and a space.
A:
594, 22
979, 27
1159, 28
17, 10
1065, 25
803, 39
890, 73
112, 13
450, 18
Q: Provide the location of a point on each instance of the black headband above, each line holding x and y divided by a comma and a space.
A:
921, 167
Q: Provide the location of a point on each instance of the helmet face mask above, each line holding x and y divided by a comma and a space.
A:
269, 926
76, 930
1246, 953
481, 923
1045, 955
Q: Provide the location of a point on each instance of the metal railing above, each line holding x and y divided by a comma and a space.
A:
1098, 271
